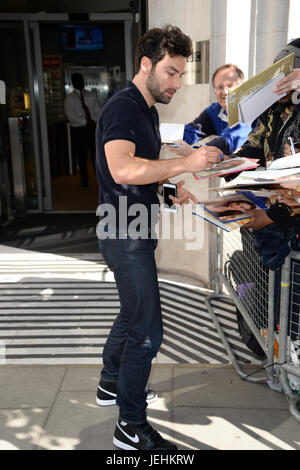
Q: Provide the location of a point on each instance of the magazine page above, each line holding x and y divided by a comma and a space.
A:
170, 132
228, 226
268, 179
292, 161
257, 193
229, 207
230, 211
270, 175
233, 165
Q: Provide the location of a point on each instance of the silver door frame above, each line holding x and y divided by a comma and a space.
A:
36, 86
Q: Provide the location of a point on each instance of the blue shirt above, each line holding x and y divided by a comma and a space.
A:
213, 121
126, 116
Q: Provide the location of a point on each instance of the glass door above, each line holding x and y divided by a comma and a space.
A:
16, 119
96, 51
36, 138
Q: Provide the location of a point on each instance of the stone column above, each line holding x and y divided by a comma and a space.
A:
272, 18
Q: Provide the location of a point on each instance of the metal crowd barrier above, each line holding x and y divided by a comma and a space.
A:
262, 296
289, 338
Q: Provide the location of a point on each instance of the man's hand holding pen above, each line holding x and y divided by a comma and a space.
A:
206, 155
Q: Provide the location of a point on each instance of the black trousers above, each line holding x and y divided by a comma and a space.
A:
84, 141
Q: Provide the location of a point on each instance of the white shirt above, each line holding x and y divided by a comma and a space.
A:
74, 109
222, 115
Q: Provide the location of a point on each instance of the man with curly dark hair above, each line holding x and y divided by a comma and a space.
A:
128, 168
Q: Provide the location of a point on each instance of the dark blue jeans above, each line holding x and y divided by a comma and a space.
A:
137, 332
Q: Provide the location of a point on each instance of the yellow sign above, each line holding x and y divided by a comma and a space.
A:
243, 90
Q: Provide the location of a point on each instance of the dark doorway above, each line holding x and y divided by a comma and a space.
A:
101, 61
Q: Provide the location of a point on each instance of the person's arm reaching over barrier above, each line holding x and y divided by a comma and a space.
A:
288, 83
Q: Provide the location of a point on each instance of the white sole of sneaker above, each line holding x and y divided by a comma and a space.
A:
105, 402
113, 402
121, 445
152, 400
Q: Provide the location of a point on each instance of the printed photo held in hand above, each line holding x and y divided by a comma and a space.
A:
232, 165
227, 226
230, 207
228, 212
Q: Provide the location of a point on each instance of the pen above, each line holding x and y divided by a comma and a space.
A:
292, 145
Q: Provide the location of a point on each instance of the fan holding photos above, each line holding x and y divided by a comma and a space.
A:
271, 138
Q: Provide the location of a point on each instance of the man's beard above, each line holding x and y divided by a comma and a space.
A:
154, 88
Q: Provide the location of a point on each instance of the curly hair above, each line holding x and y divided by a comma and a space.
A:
158, 42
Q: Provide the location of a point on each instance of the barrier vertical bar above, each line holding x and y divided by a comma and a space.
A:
294, 398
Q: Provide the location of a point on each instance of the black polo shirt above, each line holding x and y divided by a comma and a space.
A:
126, 116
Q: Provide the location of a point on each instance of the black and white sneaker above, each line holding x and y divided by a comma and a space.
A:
139, 437
107, 394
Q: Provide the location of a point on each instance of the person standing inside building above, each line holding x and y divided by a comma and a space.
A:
128, 168
82, 109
